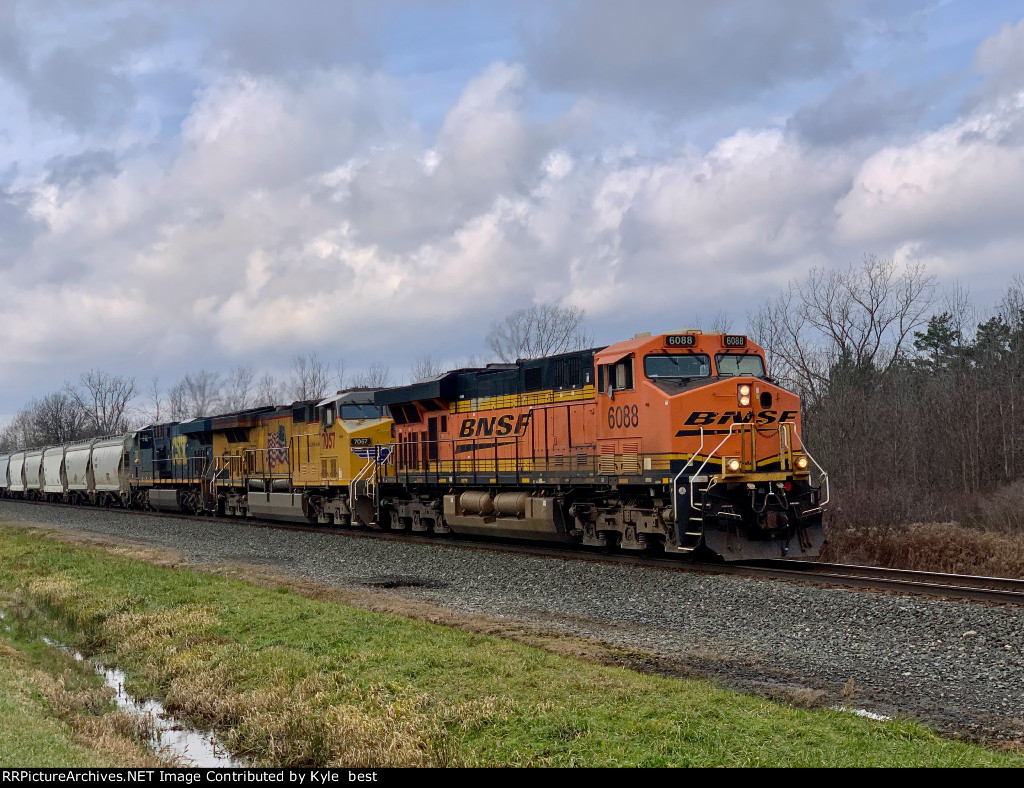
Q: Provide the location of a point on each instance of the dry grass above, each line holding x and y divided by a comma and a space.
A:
120, 735
305, 723
321, 719
1000, 510
932, 547
801, 697
980, 534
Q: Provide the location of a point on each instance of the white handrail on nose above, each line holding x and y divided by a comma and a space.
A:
823, 478
675, 481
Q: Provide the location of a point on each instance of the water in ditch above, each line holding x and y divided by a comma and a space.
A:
171, 738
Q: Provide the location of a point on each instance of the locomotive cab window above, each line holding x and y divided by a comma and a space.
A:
327, 417
617, 376
732, 364
689, 365
361, 411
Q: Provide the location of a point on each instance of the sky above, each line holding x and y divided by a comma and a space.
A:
195, 184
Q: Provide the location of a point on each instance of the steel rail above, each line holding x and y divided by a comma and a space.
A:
971, 588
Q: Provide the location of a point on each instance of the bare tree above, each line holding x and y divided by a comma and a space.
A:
720, 322
177, 404
267, 391
8, 437
864, 315
376, 376
57, 419
963, 313
339, 373
425, 368
310, 377
105, 399
156, 398
238, 389
541, 330
19, 432
1011, 307
197, 394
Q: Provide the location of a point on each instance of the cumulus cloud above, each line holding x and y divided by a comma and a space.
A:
869, 105
83, 80
271, 37
954, 191
1001, 57
299, 204
17, 229
683, 57
956, 187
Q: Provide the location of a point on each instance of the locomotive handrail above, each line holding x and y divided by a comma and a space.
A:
823, 478
675, 481
706, 459
370, 467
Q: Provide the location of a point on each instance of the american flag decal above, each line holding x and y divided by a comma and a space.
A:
277, 447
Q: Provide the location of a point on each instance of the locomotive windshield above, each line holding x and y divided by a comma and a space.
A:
731, 364
690, 365
364, 411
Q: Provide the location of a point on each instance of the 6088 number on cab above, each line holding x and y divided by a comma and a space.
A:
623, 416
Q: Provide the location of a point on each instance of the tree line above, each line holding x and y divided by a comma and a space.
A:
100, 403
912, 397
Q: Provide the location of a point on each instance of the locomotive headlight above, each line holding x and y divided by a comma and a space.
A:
744, 402
732, 465
801, 463
743, 395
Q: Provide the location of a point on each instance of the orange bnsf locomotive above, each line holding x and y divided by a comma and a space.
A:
678, 442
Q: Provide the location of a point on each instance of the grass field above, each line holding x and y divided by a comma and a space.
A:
29, 734
56, 712
289, 680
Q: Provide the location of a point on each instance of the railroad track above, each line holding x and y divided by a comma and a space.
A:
1000, 590
991, 590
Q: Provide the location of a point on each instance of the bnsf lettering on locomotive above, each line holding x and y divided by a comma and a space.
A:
486, 427
736, 417
703, 418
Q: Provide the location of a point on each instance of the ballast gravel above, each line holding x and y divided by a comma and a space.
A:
955, 665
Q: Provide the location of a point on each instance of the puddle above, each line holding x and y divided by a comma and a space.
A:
171, 737
871, 715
